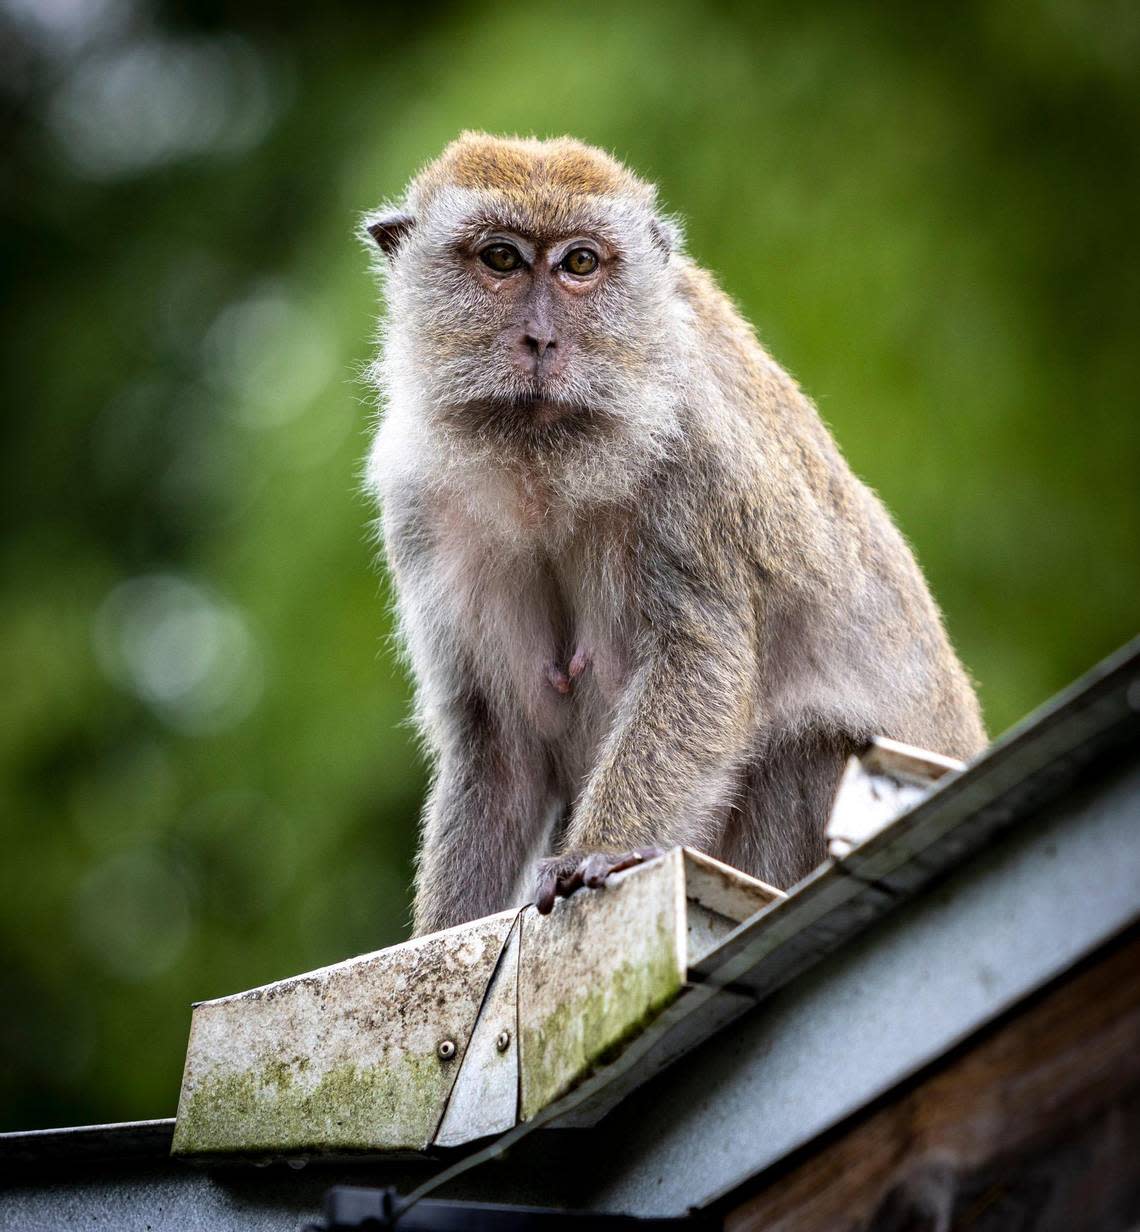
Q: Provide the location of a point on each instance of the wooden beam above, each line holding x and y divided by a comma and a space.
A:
1034, 1124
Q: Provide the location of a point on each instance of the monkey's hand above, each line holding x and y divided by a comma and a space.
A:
560, 876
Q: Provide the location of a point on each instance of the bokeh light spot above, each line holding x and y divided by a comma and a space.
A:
185, 652
153, 101
132, 914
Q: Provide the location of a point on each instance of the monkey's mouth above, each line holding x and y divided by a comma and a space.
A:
523, 417
543, 409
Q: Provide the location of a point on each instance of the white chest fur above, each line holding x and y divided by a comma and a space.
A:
538, 607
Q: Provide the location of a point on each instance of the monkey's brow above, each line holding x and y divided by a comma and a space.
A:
482, 225
484, 229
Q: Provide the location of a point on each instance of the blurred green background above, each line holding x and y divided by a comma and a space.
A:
929, 213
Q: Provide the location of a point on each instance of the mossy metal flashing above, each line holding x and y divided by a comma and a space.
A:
347, 1058
364, 1056
591, 979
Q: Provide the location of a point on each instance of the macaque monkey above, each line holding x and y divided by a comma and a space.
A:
644, 599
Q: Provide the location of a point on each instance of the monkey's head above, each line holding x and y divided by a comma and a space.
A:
529, 293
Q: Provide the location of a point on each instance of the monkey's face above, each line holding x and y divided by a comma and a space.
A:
520, 318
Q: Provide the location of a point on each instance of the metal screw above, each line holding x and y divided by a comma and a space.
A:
446, 1050
503, 1041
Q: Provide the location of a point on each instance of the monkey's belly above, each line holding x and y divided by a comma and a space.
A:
568, 714
575, 748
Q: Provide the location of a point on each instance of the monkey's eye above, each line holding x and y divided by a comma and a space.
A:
502, 258
580, 261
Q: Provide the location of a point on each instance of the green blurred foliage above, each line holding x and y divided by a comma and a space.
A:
207, 780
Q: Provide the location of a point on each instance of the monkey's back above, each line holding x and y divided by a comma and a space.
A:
851, 640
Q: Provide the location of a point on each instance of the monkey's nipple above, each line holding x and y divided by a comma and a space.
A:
558, 680
562, 680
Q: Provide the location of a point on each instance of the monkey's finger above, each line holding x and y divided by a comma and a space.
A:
547, 892
570, 881
632, 858
618, 864
595, 869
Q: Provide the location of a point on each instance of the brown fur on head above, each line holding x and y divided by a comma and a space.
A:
550, 173
546, 179
537, 356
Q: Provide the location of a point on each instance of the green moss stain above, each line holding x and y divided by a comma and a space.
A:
583, 1032
281, 1106
272, 1109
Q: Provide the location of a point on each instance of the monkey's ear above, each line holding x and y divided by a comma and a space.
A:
666, 234
388, 230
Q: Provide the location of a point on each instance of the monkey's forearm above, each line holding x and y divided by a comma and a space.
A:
685, 725
480, 822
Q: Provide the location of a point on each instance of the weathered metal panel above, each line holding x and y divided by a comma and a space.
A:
594, 972
360, 1056
599, 971
717, 899
485, 1097
700, 1011
880, 785
881, 1007
718, 889
426, 1042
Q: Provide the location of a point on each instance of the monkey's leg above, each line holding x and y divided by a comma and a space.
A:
775, 827
488, 803
678, 737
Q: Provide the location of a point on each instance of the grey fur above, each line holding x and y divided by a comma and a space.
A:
750, 613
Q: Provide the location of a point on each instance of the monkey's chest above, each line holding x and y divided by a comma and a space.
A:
551, 655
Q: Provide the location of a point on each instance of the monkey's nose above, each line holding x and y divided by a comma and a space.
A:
539, 341
537, 351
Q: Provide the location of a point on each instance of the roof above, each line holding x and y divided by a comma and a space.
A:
994, 885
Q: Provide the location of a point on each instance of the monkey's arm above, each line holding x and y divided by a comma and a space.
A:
488, 795
666, 767
490, 792
488, 801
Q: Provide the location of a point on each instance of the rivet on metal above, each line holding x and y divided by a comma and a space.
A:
446, 1050
503, 1041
